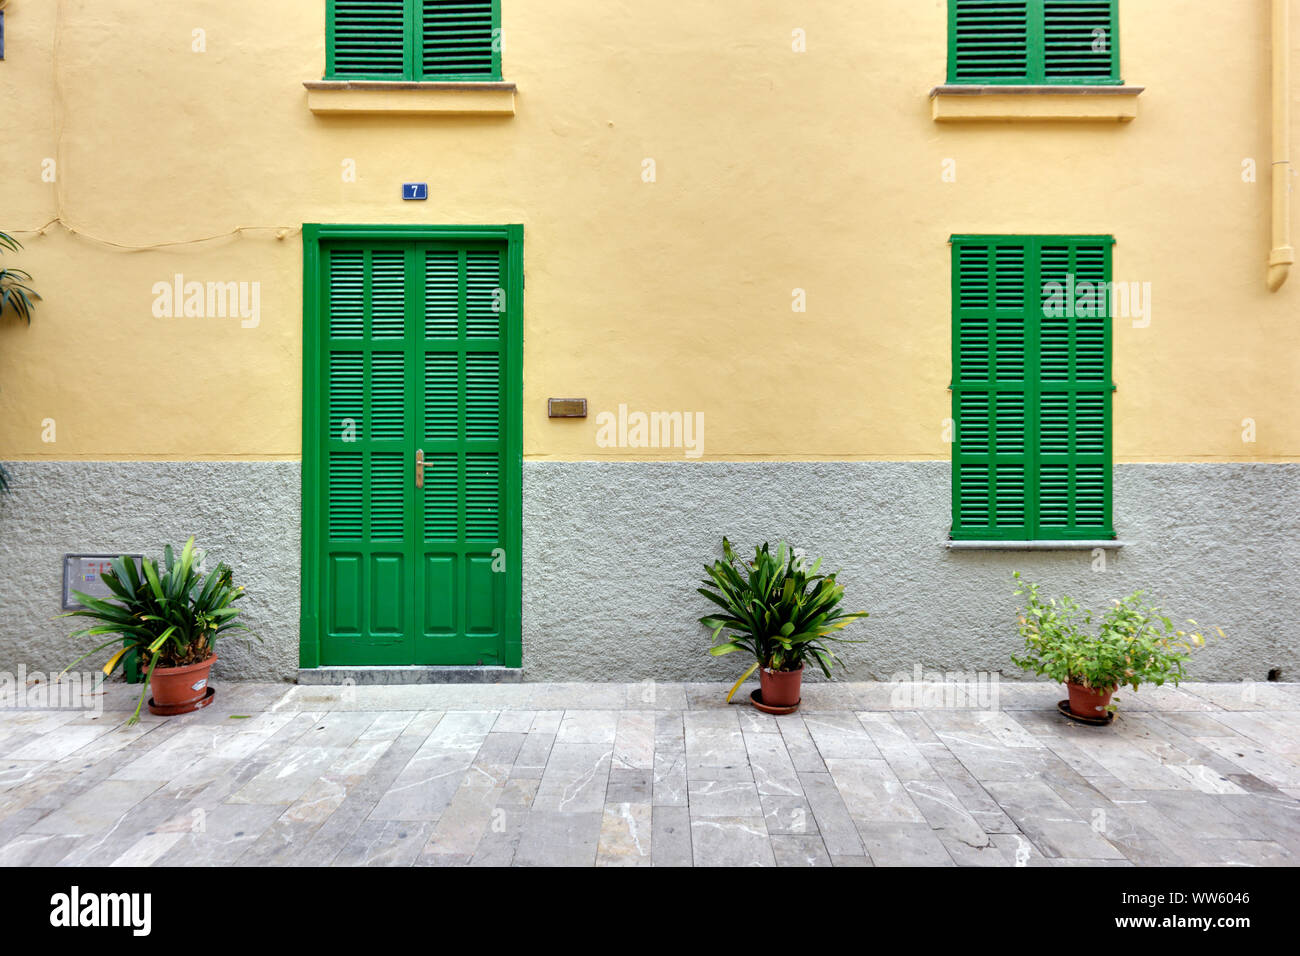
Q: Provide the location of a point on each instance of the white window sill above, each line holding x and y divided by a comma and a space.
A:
409, 98
959, 102
1065, 545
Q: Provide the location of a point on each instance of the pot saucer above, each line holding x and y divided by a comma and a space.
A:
173, 709
1064, 707
756, 699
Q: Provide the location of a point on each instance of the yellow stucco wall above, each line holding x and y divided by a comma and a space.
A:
776, 170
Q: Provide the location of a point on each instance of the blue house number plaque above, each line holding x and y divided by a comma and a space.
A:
415, 190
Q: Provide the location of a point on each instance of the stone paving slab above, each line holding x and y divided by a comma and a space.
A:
649, 774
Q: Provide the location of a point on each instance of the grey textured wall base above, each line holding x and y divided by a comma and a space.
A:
613, 553
244, 513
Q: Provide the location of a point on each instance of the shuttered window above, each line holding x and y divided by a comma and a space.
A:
1033, 41
1031, 387
413, 40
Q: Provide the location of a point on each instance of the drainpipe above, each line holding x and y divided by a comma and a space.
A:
1283, 254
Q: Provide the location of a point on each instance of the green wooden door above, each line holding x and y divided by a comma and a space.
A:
416, 472
460, 511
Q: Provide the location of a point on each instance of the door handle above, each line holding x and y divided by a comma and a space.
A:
419, 468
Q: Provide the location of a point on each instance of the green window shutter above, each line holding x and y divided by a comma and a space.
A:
1075, 389
988, 41
1080, 41
1033, 42
413, 39
368, 39
458, 40
991, 465
1031, 387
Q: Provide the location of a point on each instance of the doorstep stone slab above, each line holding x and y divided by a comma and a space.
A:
363, 676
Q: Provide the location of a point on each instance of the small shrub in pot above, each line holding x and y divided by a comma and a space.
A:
1135, 644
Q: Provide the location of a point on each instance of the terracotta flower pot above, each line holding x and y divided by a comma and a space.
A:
780, 688
1086, 702
180, 686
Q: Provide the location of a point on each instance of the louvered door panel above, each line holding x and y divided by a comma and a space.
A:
346, 500
367, 564
462, 581
347, 294
483, 396
441, 294
388, 396
484, 294
388, 294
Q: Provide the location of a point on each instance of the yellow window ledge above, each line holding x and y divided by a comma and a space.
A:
404, 98
957, 103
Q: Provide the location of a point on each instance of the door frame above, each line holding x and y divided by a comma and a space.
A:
313, 501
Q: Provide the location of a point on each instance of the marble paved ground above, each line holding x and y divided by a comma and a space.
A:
655, 774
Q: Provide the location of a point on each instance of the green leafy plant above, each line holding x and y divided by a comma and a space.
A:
16, 296
171, 614
776, 608
1135, 642
15, 293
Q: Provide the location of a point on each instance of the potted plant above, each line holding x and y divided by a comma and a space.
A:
780, 611
172, 616
1135, 644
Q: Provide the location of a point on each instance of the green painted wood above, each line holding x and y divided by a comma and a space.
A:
1062, 42
459, 40
1031, 387
368, 39
417, 348
455, 40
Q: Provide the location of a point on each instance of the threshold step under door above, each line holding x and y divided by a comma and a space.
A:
410, 675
